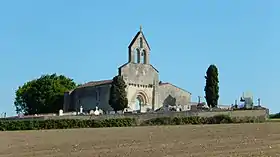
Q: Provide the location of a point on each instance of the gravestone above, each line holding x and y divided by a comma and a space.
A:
60, 113
91, 112
96, 112
81, 109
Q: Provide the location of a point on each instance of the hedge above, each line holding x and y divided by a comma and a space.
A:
8, 125
275, 116
64, 124
218, 119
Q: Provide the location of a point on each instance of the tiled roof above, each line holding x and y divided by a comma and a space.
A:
95, 83
167, 83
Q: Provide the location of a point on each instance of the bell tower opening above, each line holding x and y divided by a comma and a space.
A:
136, 55
144, 57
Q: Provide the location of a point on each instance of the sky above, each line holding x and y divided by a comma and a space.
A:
88, 40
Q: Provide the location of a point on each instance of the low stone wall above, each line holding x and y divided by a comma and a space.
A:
264, 113
147, 116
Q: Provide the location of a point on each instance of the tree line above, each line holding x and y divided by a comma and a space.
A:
46, 93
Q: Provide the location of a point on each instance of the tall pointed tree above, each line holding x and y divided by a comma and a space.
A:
212, 86
118, 97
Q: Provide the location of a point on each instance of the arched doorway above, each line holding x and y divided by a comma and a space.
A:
140, 101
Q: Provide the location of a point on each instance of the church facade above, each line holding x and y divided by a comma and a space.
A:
144, 89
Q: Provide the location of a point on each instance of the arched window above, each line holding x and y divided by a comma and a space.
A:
140, 55
143, 57
136, 56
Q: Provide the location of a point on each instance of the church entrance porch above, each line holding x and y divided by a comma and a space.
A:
140, 103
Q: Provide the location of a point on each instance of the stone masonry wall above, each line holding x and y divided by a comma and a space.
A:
143, 74
90, 97
140, 79
147, 116
168, 93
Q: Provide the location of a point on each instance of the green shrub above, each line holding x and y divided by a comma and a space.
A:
274, 116
218, 119
119, 122
10, 125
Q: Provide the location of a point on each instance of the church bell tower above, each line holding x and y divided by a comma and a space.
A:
139, 49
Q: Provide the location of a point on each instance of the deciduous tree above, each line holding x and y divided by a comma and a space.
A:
43, 95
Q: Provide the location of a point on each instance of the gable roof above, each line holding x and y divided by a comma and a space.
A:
167, 83
136, 36
95, 83
136, 63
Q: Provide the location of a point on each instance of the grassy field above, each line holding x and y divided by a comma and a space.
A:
227, 140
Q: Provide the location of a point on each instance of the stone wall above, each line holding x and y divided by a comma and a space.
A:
143, 74
172, 95
140, 80
147, 116
90, 97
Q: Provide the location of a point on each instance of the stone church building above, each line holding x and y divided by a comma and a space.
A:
144, 89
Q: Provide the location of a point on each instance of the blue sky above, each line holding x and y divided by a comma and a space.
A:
87, 40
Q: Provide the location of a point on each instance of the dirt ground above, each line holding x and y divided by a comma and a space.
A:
180, 141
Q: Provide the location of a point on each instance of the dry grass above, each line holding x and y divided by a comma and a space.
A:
181, 141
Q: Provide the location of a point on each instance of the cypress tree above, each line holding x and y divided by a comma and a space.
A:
212, 86
118, 97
